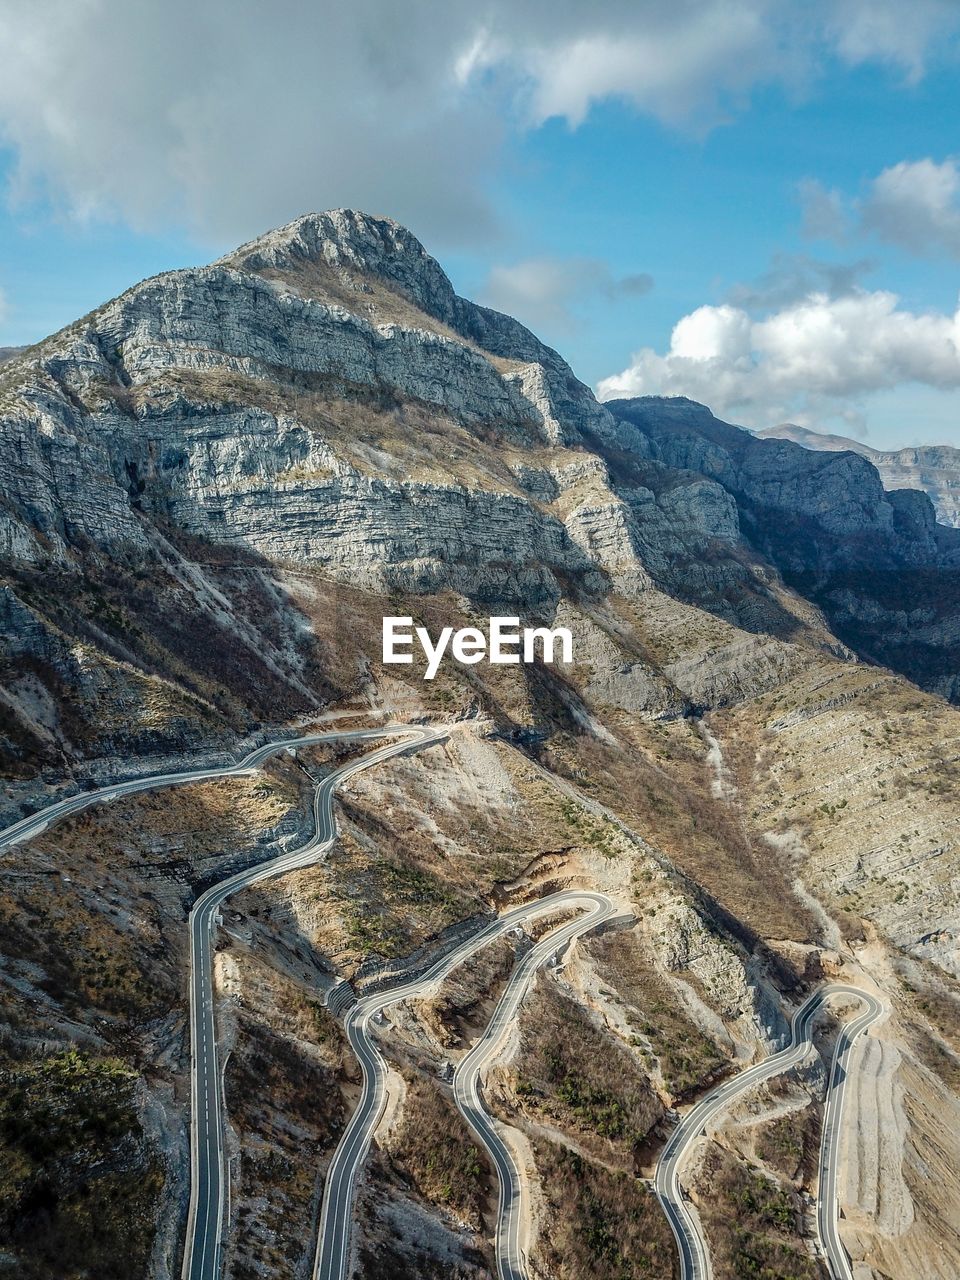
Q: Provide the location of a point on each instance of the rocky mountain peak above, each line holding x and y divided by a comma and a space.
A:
323, 398
357, 243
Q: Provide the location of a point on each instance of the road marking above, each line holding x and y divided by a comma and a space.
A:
204, 1222
695, 1261
332, 1255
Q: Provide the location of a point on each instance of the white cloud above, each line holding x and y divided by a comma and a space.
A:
917, 206
817, 355
545, 291
914, 204
673, 69
888, 31
232, 117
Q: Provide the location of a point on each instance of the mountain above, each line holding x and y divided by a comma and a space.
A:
215, 487
933, 468
877, 563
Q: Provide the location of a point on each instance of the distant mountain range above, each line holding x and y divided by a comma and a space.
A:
934, 468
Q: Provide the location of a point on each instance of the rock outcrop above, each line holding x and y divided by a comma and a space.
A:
215, 487
934, 469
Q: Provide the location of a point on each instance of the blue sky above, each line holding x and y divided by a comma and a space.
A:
713, 199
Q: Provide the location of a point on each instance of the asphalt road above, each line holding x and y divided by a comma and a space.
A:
828, 1201
32, 826
333, 1245
466, 1080
201, 1260
201, 1255
694, 1254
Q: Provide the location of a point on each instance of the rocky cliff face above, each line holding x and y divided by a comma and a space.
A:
321, 400
250, 404
214, 483
934, 469
882, 569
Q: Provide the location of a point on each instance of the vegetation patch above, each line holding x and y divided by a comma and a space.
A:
78, 1183
600, 1223
575, 1073
663, 1032
754, 1223
283, 1103
790, 1144
433, 1150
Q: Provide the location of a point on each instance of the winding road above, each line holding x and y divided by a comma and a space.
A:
694, 1253
201, 1260
202, 1249
333, 1246
828, 1200
38, 822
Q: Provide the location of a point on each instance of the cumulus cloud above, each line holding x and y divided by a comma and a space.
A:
916, 205
865, 31
229, 116
544, 292
813, 356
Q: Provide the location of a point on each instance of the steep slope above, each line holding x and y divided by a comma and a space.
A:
321, 401
878, 564
932, 468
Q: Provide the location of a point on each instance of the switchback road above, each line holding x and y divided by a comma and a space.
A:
828, 1199
201, 1260
466, 1080
201, 1254
694, 1253
333, 1246
33, 825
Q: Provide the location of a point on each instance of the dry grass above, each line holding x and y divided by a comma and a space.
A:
371, 298
862, 768
423, 848
466, 1001
78, 1183
284, 1098
581, 1077
790, 1144
687, 1059
669, 803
